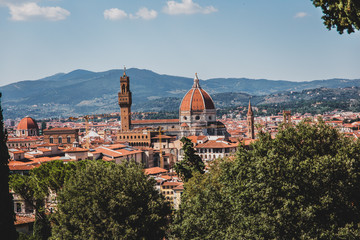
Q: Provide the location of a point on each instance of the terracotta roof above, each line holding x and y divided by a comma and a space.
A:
75, 149
23, 167
107, 159
15, 151
154, 170
171, 183
44, 149
111, 153
184, 125
24, 219
249, 141
167, 177
27, 123
180, 187
196, 99
117, 146
154, 121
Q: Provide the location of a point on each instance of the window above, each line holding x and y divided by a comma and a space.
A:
51, 139
68, 139
60, 139
18, 207
197, 117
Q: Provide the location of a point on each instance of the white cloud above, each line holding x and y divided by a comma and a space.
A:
32, 11
145, 14
115, 14
118, 14
300, 15
186, 7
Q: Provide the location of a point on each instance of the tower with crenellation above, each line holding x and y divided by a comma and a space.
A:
124, 98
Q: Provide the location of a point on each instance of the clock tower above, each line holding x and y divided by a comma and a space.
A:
124, 98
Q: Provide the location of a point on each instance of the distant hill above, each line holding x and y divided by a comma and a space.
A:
83, 92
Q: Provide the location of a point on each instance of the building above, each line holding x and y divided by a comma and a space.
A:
213, 149
23, 142
125, 101
64, 137
166, 188
27, 127
250, 122
197, 113
178, 191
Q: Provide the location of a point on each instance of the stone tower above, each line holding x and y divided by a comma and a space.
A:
287, 118
250, 122
124, 97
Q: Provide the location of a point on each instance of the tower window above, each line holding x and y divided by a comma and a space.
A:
185, 118
197, 117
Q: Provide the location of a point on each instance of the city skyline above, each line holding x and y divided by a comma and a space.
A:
259, 39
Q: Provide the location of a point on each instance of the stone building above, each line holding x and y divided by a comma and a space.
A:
27, 127
65, 137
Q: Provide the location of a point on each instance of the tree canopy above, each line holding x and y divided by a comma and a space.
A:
304, 184
110, 201
7, 217
191, 162
342, 14
36, 186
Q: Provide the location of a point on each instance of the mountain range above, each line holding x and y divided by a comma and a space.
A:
84, 92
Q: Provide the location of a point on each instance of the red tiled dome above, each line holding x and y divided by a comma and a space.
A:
27, 123
196, 99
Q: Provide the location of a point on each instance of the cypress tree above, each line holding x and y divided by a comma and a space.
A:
7, 215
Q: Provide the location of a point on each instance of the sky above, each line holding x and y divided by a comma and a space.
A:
271, 39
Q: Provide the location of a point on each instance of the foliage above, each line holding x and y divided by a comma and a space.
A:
304, 184
7, 217
342, 14
191, 162
33, 188
110, 201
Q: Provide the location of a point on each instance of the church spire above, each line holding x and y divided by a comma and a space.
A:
196, 81
250, 112
250, 122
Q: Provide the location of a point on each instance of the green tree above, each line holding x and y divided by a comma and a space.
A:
342, 14
191, 163
304, 184
33, 188
110, 201
7, 215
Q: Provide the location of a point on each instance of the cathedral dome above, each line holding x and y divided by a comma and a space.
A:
27, 123
196, 99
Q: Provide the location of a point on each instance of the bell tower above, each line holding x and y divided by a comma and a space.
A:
250, 122
124, 97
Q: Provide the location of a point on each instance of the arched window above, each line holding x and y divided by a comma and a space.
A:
51, 139
60, 139
68, 139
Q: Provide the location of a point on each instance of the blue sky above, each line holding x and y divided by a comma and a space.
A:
272, 39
